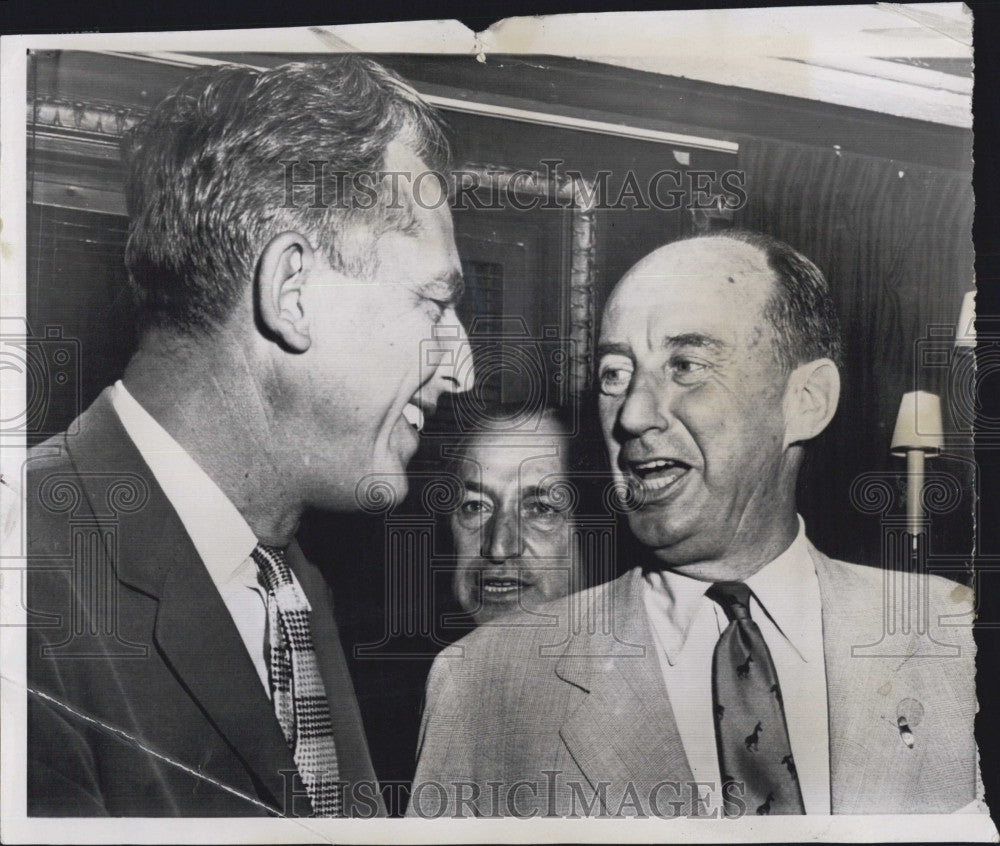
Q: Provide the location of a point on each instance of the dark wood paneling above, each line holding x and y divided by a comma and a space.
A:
606, 92
574, 87
684, 105
76, 288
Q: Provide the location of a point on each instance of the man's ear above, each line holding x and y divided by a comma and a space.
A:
282, 273
810, 402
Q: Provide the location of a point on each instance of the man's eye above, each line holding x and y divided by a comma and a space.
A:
614, 379
475, 508
687, 370
543, 513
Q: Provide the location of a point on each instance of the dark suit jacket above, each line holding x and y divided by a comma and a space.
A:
143, 700
554, 715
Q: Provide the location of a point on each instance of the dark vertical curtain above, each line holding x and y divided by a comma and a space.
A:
895, 242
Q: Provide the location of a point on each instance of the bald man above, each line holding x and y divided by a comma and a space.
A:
731, 671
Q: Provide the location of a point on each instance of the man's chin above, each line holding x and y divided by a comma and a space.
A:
486, 609
488, 613
674, 546
655, 530
688, 553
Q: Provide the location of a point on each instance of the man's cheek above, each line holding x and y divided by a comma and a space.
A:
466, 591
607, 413
553, 585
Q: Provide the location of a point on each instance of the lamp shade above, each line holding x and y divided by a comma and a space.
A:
965, 334
918, 424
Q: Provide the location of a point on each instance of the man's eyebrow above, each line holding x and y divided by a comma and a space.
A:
612, 348
537, 491
448, 288
476, 487
695, 339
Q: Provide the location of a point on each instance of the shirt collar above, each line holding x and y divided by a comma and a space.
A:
672, 601
786, 589
222, 538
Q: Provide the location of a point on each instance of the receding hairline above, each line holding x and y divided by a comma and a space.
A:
769, 294
650, 266
644, 272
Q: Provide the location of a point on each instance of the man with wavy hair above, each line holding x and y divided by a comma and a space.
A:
290, 294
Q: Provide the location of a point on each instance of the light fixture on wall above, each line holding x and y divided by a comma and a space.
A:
918, 434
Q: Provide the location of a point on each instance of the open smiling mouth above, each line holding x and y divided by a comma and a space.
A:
656, 475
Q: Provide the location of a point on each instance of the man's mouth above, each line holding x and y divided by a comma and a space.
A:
414, 415
657, 474
502, 588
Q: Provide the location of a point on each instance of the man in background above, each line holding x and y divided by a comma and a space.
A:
513, 527
189, 662
735, 669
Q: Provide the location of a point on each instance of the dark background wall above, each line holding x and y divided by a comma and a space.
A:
882, 205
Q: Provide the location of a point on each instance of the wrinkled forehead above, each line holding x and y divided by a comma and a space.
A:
701, 285
497, 458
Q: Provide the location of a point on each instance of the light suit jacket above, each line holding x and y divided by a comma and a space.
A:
566, 714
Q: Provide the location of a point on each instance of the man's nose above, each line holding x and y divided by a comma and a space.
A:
502, 538
455, 371
645, 406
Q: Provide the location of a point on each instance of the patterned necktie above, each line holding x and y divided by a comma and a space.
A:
750, 729
297, 690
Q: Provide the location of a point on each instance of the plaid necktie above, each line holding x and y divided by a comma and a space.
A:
297, 690
750, 729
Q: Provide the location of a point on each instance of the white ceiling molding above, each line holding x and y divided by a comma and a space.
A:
906, 60
833, 54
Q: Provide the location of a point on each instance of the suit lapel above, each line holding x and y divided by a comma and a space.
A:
193, 628
203, 647
624, 730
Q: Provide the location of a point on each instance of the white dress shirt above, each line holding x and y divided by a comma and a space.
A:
218, 531
785, 604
